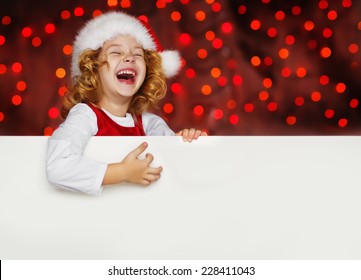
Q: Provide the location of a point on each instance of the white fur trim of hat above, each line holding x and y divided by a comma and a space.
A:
108, 25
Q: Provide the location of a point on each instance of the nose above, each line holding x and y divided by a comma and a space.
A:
129, 58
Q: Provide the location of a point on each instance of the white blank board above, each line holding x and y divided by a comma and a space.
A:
218, 198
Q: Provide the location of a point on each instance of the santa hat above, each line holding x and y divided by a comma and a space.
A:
108, 25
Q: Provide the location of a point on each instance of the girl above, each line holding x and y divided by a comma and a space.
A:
119, 72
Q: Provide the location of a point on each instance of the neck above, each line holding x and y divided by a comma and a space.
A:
118, 109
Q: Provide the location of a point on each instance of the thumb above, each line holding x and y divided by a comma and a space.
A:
140, 149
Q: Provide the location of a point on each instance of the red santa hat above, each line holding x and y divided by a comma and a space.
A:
108, 25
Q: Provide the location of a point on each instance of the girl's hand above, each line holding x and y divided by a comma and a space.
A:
139, 170
191, 134
132, 169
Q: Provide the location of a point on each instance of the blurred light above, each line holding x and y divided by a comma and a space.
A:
299, 101
280, 15
296, 10
272, 32
237, 80
78, 11
216, 7
65, 14
50, 28
175, 16
263, 95
222, 81
161, 4
255, 61
324, 80
60, 73
323, 4
2, 40
184, 2
168, 108
233, 119
209, 1
255, 24
36, 42
342, 122
2, 69
353, 103
190, 73
16, 100
291, 120
327, 32
268, 61
217, 43
210, 35
26, 32
329, 113
125, 4
272, 106
286, 72
53, 113
353, 48
332, 15
21, 86
198, 110
176, 88
202, 53
6, 20
231, 104
48, 131
1, 116
218, 114
325, 52
17, 67
200, 15
346, 3
315, 96
242, 9
144, 18
62, 90
290, 39
215, 72
301, 72
283, 53
267, 83
309, 25
248, 107
206, 89
227, 27
185, 39
340, 88
96, 13
112, 3
67, 49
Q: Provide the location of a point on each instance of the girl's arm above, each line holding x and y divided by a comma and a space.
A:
66, 166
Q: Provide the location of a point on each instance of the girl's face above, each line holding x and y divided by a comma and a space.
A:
124, 72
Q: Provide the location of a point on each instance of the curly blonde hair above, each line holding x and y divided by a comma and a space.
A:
86, 87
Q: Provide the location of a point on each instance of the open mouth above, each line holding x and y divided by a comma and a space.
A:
126, 75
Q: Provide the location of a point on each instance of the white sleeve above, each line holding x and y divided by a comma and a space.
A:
155, 126
67, 167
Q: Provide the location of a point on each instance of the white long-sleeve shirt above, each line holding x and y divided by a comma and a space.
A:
67, 167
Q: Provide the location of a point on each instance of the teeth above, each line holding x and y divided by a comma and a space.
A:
126, 72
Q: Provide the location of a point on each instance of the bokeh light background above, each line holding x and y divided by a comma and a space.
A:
257, 67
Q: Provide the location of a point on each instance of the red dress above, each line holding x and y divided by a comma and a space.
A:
108, 127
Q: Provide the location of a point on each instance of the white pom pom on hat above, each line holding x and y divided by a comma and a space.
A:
108, 25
